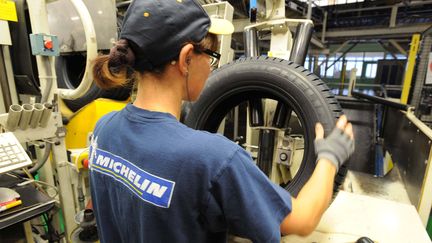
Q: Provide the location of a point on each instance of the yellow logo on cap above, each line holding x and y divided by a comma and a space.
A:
146, 14
179, 1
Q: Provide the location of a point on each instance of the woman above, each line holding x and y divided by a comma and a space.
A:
154, 179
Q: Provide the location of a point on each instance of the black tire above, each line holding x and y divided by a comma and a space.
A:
308, 96
70, 69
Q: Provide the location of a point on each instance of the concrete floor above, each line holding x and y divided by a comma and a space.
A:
389, 187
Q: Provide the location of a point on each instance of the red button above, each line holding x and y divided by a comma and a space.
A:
85, 163
48, 44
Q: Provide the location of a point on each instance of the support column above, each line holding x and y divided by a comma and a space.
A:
393, 16
410, 68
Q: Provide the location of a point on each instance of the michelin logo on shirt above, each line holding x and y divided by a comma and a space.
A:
150, 188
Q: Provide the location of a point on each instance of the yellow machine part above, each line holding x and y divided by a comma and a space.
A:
84, 121
415, 43
78, 156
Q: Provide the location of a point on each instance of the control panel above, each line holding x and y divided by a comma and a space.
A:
44, 45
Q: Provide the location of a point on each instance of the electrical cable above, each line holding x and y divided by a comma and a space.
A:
27, 181
51, 232
39, 163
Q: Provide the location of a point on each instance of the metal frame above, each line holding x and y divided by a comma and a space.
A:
425, 202
382, 32
91, 43
222, 10
5, 38
58, 172
5, 41
48, 82
409, 142
282, 44
10, 78
45, 65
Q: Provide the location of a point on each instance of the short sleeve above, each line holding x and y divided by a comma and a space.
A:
251, 205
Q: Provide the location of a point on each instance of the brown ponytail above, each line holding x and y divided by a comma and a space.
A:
115, 69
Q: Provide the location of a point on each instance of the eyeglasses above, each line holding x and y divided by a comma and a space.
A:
214, 56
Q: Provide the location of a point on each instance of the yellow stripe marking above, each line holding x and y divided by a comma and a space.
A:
114, 174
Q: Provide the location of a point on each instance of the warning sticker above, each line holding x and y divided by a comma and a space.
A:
8, 10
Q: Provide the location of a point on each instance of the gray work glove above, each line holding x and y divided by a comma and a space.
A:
336, 147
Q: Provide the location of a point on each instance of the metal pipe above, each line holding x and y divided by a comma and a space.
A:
324, 27
14, 116
236, 122
26, 116
4, 89
251, 42
37, 113
282, 115
309, 10
46, 114
301, 43
40, 162
380, 100
256, 114
266, 148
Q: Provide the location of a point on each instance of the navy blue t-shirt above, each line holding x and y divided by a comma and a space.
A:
155, 180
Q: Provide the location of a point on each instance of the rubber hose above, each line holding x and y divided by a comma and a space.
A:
39, 163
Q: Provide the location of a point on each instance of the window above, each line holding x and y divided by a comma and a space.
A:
373, 56
371, 69
330, 72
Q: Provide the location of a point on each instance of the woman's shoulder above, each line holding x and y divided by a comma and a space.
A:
213, 139
104, 120
211, 145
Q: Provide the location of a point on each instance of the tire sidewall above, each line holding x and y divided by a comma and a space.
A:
275, 76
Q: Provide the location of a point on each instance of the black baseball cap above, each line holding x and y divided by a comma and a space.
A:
159, 28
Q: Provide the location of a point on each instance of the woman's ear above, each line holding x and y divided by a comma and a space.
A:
185, 58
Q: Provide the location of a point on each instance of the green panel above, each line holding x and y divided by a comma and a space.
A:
429, 227
361, 47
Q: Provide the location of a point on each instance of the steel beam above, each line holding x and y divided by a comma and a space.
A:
387, 49
393, 16
381, 32
404, 4
328, 56
324, 27
316, 42
398, 47
343, 55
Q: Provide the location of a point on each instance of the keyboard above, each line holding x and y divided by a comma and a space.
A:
12, 154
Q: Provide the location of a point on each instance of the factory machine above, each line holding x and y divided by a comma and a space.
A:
49, 107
